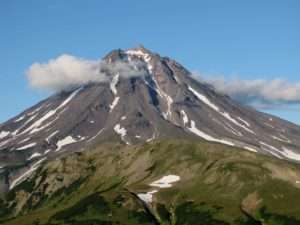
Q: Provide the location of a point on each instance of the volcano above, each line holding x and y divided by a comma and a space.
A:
161, 101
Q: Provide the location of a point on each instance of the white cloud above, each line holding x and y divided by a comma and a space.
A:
257, 92
67, 71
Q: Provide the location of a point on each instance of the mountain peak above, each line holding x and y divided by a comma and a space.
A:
138, 52
140, 49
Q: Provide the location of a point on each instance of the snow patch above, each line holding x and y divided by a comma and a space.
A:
216, 108
290, 154
227, 116
205, 136
269, 125
23, 125
47, 151
233, 130
51, 135
281, 139
285, 138
176, 79
24, 140
228, 127
113, 88
114, 103
150, 68
169, 103
113, 84
123, 118
25, 175
63, 142
147, 197
139, 53
244, 121
4, 134
163, 95
34, 155
271, 149
251, 149
99, 132
19, 119
4, 143
121, 131
184, 117
166, 181
26, 146
156, 88
152, 138
35, 111
34, 130
203, 99
70, 98
36, 126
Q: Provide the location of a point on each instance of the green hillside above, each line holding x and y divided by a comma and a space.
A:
219, 185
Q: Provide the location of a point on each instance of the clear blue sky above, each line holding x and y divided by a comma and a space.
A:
251, 39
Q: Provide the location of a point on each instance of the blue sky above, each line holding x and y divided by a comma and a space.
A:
246, 39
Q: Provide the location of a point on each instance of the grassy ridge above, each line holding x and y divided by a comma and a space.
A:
219, 185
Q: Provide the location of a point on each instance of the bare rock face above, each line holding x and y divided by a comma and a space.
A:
160, 101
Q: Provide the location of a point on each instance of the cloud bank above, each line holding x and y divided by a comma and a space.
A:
68, 71
269, 94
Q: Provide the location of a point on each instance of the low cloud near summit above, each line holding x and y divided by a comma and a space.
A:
67, 71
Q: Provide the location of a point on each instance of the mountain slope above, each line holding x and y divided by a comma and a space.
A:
169, 182
163, 102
